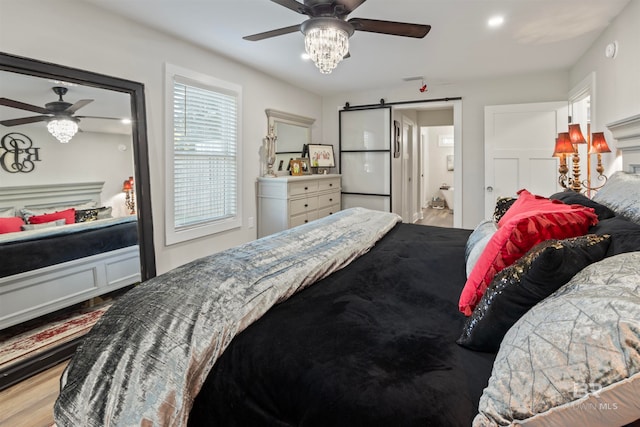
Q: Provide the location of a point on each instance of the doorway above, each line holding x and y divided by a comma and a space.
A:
446, 114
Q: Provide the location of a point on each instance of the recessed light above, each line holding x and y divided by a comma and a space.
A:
496, 21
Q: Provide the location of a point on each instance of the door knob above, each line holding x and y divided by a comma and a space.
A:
489, 189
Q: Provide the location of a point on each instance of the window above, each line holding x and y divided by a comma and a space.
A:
203, 155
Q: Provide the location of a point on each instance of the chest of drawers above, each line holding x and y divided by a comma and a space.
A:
288, 201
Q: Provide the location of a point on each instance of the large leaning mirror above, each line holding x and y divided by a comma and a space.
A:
60, 185
293, 132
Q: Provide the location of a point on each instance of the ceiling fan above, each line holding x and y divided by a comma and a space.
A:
62, 123
327, 30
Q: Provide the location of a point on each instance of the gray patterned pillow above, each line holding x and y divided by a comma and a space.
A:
477, 241
621, 194
573, 359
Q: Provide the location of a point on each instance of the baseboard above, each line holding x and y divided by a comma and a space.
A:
22, 370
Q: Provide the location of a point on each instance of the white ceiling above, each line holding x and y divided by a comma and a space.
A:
537, 35
38, 91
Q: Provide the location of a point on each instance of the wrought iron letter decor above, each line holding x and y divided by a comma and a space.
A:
17, 153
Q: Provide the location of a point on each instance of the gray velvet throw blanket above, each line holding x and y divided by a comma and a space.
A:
146, 359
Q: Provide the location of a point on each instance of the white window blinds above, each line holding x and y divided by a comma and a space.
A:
205, 157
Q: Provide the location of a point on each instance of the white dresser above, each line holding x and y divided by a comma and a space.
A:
287, 201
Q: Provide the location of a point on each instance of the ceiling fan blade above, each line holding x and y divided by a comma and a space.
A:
21, 105
273, 33
389, 27
24, 120
350, 5
97, 117
293, 5
78, 105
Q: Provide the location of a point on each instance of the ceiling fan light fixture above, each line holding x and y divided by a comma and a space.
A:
326, 41
63, 129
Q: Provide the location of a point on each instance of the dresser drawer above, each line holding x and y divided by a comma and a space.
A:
325, 200
302, 187
329, 184
296, 220
328, 211
298, 206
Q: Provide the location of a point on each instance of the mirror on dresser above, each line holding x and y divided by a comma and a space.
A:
292, 132
100, 177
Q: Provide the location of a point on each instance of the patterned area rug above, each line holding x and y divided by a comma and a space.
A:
25, 341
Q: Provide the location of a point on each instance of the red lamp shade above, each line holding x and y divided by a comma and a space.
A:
598, 143
563, 145
126, 186
576, 134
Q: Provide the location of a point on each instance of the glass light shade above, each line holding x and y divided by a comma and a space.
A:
599, 143
327, 46
575, 133
62, 129
126, 186
563, 145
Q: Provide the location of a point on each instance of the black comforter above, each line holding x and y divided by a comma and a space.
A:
372, 344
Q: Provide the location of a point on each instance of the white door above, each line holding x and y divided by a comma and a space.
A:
519, 141
410, 183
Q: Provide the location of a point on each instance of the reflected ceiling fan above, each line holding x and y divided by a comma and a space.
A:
327, 30
59, 115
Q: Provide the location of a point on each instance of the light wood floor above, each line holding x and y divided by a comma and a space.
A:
30, 402
437, 217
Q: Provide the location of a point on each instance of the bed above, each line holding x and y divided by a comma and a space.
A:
49, 264
357, 319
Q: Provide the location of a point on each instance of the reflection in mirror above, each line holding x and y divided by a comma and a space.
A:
72, 227
293, 132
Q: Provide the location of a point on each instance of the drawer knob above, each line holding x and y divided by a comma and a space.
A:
331, 200
330, 185
306, 220
306, 188
306, 205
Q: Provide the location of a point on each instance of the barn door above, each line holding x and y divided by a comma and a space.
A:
365, 158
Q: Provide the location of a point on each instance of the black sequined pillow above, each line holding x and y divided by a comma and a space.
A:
86, 215
514, 290
502, 205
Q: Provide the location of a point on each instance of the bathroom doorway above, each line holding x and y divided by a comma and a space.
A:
438, 182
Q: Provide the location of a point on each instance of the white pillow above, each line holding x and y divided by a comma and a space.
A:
7, 212
50, 224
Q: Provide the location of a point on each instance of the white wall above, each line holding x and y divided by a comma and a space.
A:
537, 87
617, 93
437, 167
93, 157
79, 35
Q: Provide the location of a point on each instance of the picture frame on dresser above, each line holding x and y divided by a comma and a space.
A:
305, 166
296, 167
321, 155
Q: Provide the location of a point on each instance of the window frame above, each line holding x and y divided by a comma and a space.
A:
175, 235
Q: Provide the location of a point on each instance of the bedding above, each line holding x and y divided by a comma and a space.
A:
241, 337
41, 247
145, 360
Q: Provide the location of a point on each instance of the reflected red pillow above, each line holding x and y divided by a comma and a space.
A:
515, 237
11, 224
68, 215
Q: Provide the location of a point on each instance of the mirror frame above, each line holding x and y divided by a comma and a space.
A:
276, 116
48, 70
